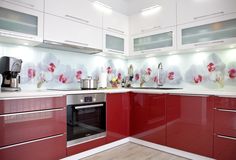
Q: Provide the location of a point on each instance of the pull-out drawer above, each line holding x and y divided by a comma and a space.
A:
225, 103
31, 104
26, 126
50, 148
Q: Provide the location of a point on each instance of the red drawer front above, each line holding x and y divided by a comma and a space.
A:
51, 148
85, 146
225, 103
225, 122
31, 104
21, 127
224, 148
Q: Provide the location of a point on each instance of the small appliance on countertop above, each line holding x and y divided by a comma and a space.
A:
10, 68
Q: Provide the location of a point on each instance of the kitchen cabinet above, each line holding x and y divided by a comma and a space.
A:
31, 4
116, 22
65, 31
225, 128
196, 10
207, 33
81, 11
190, 123
163, 40
115, 43
20, 25
165, 16
32, 125
118, 110
148, 117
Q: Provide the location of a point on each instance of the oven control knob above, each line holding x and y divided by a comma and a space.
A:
94, 99
81, 100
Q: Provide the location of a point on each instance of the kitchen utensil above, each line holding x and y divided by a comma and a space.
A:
89, 83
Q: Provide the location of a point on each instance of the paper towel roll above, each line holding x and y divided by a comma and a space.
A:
103, 80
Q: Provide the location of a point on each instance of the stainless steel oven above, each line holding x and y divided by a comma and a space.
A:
86, 118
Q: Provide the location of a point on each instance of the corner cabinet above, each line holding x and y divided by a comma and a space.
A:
162, 40
207, 33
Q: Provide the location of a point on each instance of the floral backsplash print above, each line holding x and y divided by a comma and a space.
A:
47, 68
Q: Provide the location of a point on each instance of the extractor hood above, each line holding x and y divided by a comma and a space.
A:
69, 47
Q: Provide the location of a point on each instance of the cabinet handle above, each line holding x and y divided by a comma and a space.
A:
226, 137
116, 30
77, 18
77, 43
31, 112
16, 36
208, 43
225, 110
24, 4
89, 106
208, 15
14, 98
37, 140
150, 29
190, 95
111, 50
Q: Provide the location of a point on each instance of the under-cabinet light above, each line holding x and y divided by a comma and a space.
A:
102, 7
150, 10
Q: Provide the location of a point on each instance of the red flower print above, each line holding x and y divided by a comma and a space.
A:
119, 77
149, 71
155, 79
136, 77
232, 73
198, 79
211, 67
62, 78
171, 75
78, 74
109, 70
51, 67
31, 73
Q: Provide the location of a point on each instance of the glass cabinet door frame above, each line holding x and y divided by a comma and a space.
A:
23, 36
113, 51
205, 44
156, 50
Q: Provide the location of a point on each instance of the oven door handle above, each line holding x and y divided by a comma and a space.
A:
89, 106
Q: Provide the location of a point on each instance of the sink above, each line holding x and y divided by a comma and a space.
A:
161, 88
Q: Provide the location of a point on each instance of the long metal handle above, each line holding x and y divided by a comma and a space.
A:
225, 110
116, 30
33, 141
150, 29
189, 95
31, 112
207, 43
208, 15
27, 97
77, 18
226, 137
111, 50
21, 3
77, 43
89, 106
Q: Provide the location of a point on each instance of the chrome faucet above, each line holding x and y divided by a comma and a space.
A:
160, 75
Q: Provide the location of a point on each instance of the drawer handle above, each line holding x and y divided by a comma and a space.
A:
116, 30
77, 43
31, 112
77, 18
225, 110
111, 50
89, 106
226, 137
208, 15
20, 3
37, 140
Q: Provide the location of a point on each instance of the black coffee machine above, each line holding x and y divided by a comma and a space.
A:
10, 68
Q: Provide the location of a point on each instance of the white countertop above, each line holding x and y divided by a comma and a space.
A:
52, 93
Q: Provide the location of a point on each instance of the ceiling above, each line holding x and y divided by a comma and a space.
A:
129, 7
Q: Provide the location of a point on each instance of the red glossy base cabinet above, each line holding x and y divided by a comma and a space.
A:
190, 123
148, 120
118, 110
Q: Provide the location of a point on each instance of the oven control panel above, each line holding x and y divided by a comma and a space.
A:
85, 98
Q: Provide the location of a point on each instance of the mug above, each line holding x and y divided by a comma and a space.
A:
1, 78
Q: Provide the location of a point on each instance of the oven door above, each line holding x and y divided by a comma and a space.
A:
85, 122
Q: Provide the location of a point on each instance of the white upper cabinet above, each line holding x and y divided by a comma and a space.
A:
81, 11
164, 17
195, 10
32, 4
116, 22
64, 31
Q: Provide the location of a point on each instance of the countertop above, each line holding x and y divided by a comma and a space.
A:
53, 93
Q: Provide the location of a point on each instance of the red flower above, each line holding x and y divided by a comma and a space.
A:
136, 76
31, 73
232, 73
155, 79
109, 70
198, 79
148, 71
171, 75
62, 78
78, 75
211, 67
51, 67
119, 76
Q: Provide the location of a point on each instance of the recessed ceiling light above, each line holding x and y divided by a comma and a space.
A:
150, 10
102, 7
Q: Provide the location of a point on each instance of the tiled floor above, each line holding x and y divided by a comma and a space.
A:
131, 151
